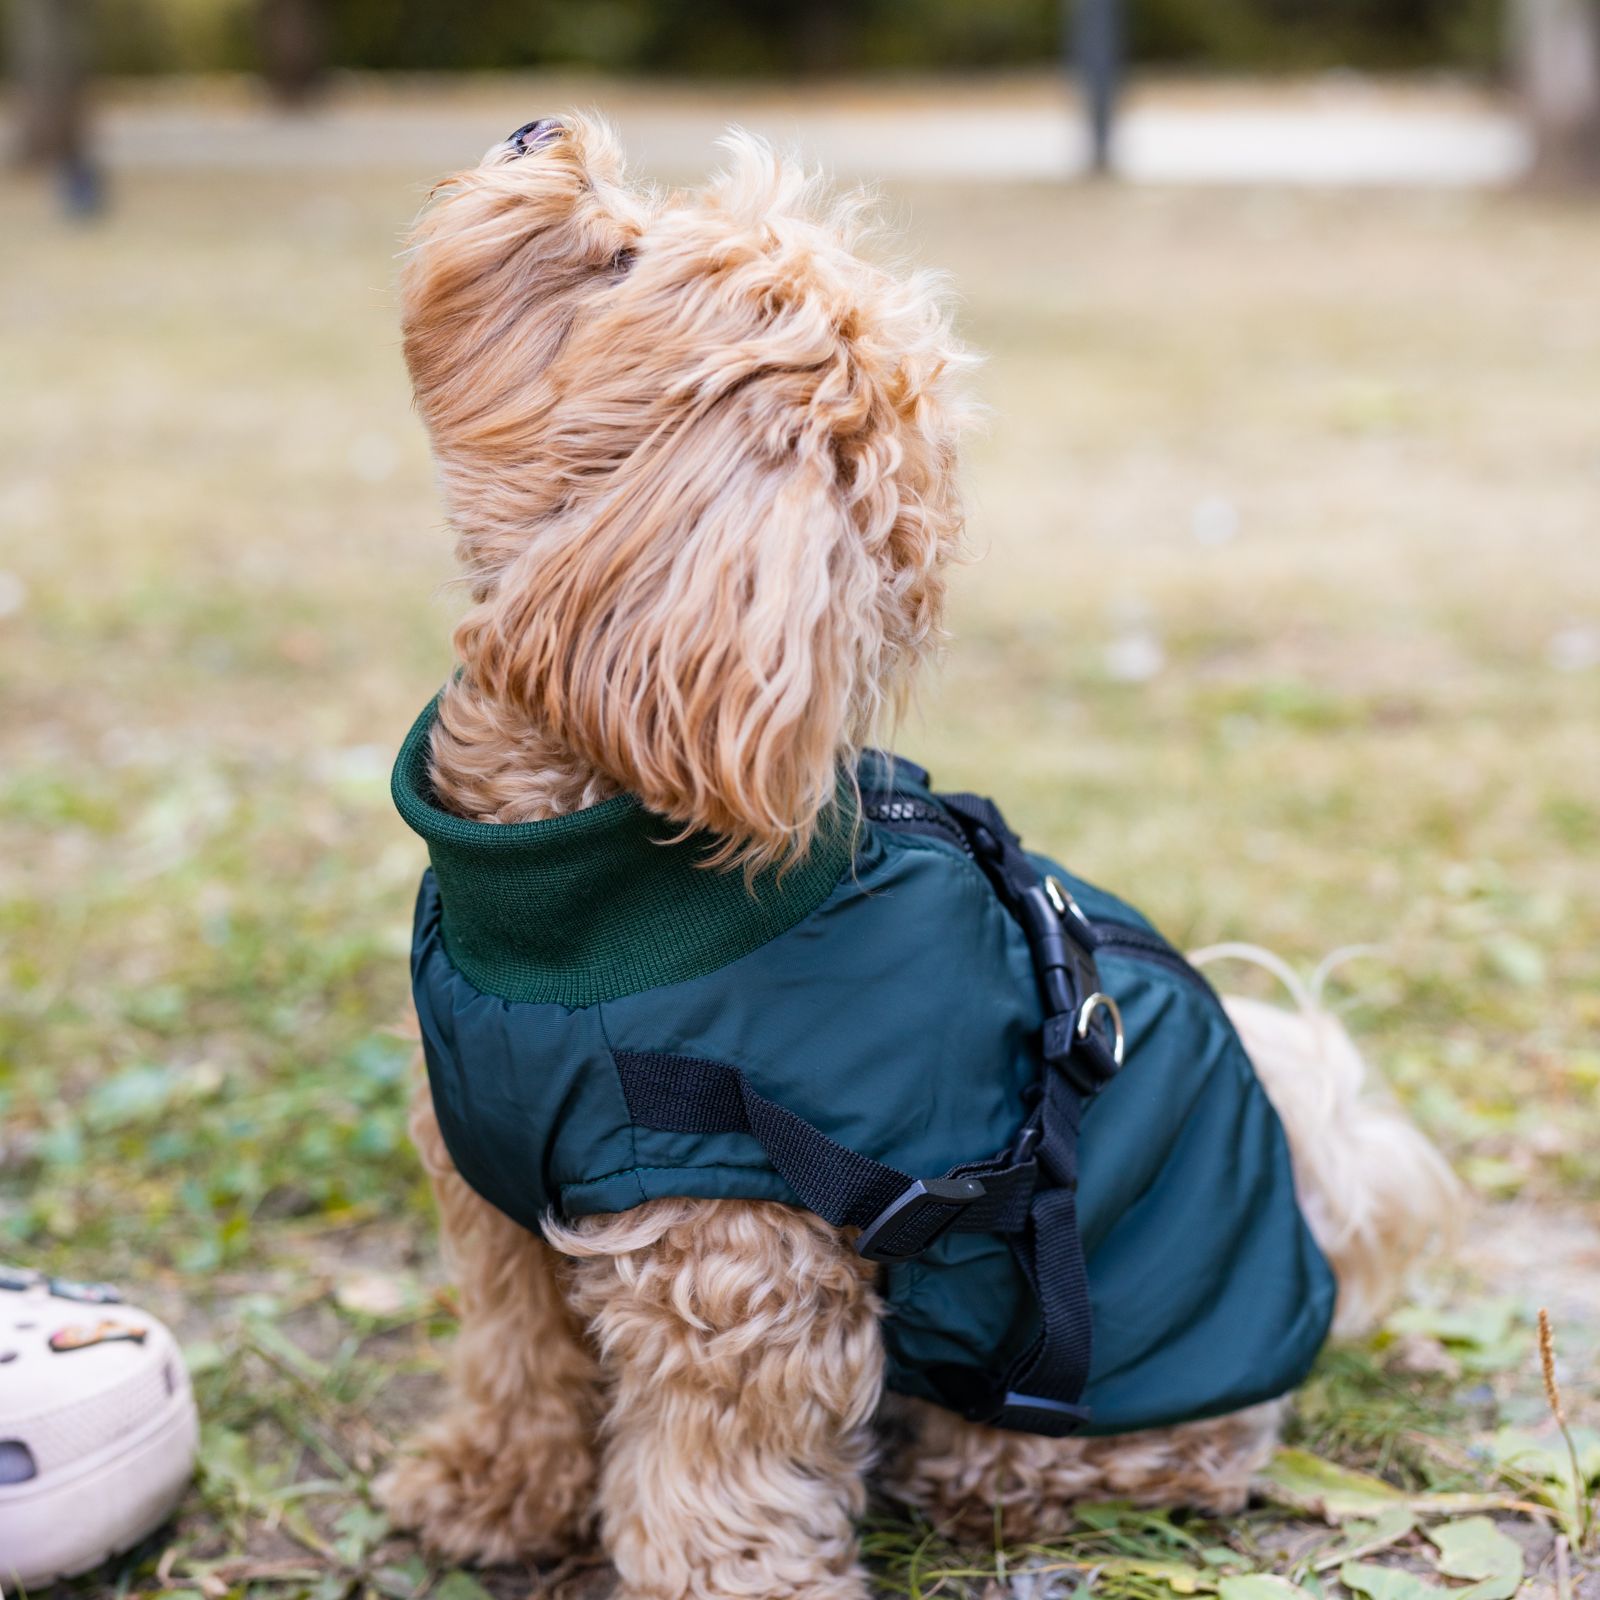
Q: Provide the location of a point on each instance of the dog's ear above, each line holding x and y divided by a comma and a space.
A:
705, 636
498, 267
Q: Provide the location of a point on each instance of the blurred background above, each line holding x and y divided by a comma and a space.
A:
1285, 622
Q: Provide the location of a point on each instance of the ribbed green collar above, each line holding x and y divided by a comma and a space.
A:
598, 903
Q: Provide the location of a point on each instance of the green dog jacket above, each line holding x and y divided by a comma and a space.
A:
891, 1033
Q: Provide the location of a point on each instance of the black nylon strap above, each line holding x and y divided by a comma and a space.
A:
1043, 1386
1063, 952
686, 1094
1045, 1382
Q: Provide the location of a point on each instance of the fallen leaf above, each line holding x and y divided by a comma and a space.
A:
1260, 1586
403, 1581
1543, 1459
376, 1294
360, 1529
1544, 1455
1482, 1338
458, 1585
1179, 1577
1362, 1538
1474, 1548
1386, 1583
1304, 1482
1424, 1356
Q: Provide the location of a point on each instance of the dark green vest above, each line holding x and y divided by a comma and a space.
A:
883, 994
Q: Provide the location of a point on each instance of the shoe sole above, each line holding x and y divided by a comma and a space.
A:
132, 1486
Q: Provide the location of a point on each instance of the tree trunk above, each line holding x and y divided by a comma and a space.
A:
1095, 49
1556, 53
48, 52
820, 31
291, 37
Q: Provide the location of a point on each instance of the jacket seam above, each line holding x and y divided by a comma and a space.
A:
633, 1127
705, 1166
932, 847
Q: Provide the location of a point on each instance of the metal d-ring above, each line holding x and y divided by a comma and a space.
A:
1102, 1002
1065, 905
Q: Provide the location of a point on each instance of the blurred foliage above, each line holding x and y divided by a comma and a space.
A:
715, 38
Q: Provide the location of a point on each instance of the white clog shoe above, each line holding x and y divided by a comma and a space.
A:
97, 1427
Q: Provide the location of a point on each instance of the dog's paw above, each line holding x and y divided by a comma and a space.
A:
471, 1490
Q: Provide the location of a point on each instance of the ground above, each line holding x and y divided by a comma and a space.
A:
1284, 620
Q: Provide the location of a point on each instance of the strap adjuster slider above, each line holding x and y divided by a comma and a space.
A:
916, 1217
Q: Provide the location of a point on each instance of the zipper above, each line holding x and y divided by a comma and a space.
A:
1123, 938
908, 814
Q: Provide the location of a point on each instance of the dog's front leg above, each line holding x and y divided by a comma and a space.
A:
743, 1361
507, 1471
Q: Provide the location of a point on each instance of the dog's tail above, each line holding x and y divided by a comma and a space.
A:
1374, 1191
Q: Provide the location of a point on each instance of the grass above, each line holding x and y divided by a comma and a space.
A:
1287, 625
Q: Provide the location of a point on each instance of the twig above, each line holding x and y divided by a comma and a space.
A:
1552, 1393
246, 1569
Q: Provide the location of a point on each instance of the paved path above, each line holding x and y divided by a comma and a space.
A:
1323, 133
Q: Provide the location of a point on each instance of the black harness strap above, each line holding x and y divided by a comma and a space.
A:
1028, 1194
900, 1215
1043, 1386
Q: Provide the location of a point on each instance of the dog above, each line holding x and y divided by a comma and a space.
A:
700, 458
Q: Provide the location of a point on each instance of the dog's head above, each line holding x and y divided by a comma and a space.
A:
699, 455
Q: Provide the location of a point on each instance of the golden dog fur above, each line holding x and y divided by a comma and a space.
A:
700, 459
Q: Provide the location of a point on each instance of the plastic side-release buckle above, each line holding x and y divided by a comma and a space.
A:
916, 1217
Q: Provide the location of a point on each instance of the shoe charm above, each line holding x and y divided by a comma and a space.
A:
81, 1335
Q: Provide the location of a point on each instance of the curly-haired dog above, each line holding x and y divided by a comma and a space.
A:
700, 459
